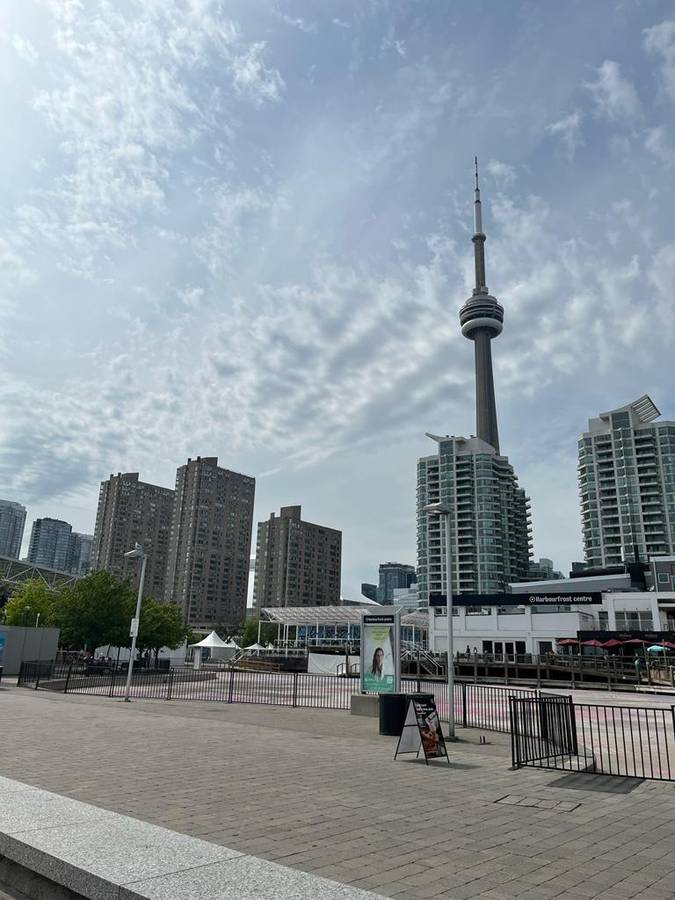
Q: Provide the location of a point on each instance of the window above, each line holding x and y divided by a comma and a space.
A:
664, 578
634, 620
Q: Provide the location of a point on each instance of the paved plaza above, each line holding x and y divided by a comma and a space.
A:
319, 791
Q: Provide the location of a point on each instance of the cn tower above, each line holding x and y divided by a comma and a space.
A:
481, 318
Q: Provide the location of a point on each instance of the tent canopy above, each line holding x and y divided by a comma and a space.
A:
254, 647
211, 640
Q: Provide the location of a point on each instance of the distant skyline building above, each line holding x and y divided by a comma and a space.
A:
210, 543
369, 591
298, 563
542, 570
407, 598
489, 512
393, 576
79, 555
12, 525
50, 544
627, 485
130, 511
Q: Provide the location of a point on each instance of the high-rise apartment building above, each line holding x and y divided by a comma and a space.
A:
488, 511
12, 524
210, 544
392, 577
489, 519
627, 485
297, 563
50, 543
131, 511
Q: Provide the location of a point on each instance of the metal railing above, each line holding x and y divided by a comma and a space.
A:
476, 705
628, 741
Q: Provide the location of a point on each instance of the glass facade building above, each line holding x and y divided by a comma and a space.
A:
12, 524
489, 519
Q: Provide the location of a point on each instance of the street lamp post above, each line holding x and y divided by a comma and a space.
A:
136, 553
437, 509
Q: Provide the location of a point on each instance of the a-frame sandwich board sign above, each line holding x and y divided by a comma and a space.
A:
422, 729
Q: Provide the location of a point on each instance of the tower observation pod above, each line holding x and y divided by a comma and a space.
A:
482, 318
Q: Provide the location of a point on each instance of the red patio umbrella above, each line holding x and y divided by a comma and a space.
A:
593, 643
636, 641
668, 644
566, 642
612, 642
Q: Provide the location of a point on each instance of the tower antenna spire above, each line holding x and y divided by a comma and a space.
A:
478, 237
481, 319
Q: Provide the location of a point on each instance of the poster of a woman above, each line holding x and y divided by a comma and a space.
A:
379, 675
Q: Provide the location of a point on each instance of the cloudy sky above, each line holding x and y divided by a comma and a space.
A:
242, 228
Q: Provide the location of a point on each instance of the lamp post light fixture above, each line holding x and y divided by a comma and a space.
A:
438, 509
136, 553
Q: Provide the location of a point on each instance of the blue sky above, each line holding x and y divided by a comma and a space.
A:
243, 229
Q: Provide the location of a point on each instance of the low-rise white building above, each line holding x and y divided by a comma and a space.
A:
535, 628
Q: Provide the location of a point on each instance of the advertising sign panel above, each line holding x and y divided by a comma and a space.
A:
380, 653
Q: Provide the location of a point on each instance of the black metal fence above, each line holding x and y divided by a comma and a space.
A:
476, 705
629, 741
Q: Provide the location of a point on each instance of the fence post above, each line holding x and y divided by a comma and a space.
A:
513, 725
231, 685
464, 705
169, 688
112, 684
295, 689
37, 676
19, 680
70, 669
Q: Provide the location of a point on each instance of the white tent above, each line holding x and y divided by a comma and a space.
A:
211, 640
256, 647
233, 645
219, 649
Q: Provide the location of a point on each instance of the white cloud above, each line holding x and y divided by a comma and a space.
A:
569, 130
657, 142
615, 96
660, 42
254, 79
503, 173
24, 49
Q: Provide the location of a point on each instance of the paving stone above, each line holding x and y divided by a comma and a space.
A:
319, 790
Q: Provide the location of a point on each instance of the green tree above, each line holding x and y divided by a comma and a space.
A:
31, 599
161, 625
248, 633
95, 611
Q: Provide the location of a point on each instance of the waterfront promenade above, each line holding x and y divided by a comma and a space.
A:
319, 791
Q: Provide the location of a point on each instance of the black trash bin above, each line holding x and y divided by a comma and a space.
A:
393, 708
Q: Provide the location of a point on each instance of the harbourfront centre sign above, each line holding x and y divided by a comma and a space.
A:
583, 598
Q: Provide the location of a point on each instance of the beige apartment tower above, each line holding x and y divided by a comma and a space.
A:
210, 544
297, 563
130, 510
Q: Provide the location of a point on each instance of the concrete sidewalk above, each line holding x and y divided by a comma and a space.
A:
319, 791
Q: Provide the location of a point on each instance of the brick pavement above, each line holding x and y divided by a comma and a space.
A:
320, 791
